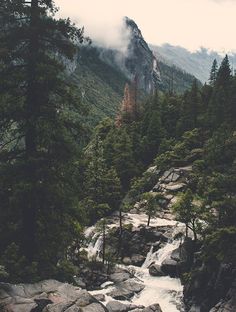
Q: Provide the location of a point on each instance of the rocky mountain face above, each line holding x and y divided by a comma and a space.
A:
197, 63
102, 73
137, 59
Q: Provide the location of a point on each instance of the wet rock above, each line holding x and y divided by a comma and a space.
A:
116, 306
152, 308
80, 282
119, 277
155, 270
170, 267
47, 296
93, 307
137, 260
127, 261
126, 290
99, 297
41, 304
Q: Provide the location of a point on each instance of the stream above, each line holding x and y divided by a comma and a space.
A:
164, 290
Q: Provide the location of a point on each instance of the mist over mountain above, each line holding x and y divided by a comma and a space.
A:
196, 63
103, 70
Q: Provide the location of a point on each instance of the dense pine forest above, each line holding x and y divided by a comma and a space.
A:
59, 175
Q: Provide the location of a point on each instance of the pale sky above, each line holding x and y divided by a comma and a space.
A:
188, 23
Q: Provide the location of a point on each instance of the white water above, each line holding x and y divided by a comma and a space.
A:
164, 290
95, 246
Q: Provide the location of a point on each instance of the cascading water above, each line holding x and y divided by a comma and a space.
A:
95, 246
164, 290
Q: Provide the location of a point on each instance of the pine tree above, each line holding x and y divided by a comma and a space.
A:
224, 73
153, 131
119, 153
38, 132
102, 185
213, 73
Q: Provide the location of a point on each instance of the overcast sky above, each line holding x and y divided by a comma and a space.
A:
188, 23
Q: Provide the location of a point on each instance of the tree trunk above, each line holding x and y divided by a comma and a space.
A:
149, 219
32, 99
120, 251
104, 243
194, 232
186, 230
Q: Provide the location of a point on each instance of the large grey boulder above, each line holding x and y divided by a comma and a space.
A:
151, 308
137, 259
126, 290
119, 277
47, 296
170, 267
116, 306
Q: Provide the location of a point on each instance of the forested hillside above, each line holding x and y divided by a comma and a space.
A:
151, 188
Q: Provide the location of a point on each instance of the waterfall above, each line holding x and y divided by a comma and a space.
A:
149, 259
164, 290
95, 246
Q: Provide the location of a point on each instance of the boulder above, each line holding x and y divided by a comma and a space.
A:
137, 259
165, 175
155, 270
152, 308
80, 282
126, 290
175, 187
47, 296
127, 261
119, 277
100, 297
170, 267
41, 304
116, 306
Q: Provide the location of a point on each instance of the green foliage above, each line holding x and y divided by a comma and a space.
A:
220, 246
17, 269
152, 204
41, 134
141, 185
66, 270
188, 212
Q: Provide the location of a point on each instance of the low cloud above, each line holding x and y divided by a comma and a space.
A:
103, 22
114, 35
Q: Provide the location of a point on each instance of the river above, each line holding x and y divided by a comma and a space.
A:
164, 290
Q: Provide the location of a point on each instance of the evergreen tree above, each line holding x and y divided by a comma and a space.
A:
153, 132
102, 185
189, 110
152, 205
119, 153
224, 73
39, 133
187, 212
213, 73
